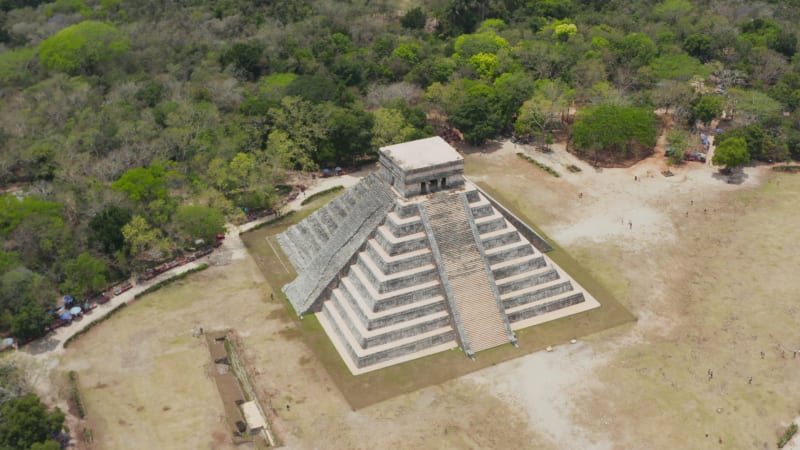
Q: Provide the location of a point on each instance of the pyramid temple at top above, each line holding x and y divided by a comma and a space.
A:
414, 260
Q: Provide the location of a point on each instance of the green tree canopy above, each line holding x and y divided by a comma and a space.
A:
26, 421
28, 323
479, 115
414, 19
84, 275
145, 184
199, 222
705, 108
13, 211
614, 128
83, 47
731, 153
144, 242
245, 57
106, 228
636, 50
699, 46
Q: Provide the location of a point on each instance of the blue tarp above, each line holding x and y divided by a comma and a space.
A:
68, 299
75, 311
65, 316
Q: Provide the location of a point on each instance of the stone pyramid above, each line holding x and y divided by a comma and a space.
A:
415, 260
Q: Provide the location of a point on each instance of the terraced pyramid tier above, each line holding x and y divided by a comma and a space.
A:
397, 268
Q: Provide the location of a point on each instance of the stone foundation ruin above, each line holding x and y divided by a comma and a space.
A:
415, 260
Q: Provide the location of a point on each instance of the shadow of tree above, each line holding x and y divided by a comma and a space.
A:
734, 177
40, 346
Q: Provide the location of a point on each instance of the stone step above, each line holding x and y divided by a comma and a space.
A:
371, 319
402, 261
403, 226
409, 355
387, 282
494, 222
422, 339
478, 310
515, 266
556, 304
509, 251
368, 338
499, 237
394, 245
481, 208
526, 279
387, 300
535, 293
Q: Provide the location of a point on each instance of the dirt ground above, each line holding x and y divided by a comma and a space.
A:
711, 289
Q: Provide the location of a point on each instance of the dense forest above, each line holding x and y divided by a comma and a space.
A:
131, 129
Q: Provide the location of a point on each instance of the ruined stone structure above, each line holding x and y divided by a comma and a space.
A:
415, 260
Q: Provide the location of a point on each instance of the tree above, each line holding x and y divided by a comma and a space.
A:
28, 323
83, 47
615, 129
731, 153
414, 19
144, 184
699, 46
636, 50
468, 45
245, 57
705, 108
106, 228
479, 115
84, 275
199, 222
144, 242
26, 421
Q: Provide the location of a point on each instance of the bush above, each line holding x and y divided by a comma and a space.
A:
76, 395
787, 436
536, 163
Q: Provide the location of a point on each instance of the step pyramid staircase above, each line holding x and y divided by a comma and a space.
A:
394, 274
475, 300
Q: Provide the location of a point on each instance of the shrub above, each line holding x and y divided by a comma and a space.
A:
787, 436
536, 163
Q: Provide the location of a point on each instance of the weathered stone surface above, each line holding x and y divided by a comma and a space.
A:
394, 275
